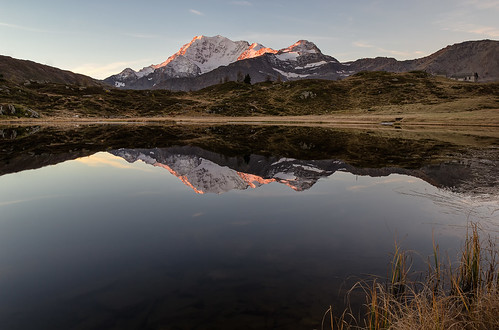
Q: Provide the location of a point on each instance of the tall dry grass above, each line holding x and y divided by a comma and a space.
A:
464, 297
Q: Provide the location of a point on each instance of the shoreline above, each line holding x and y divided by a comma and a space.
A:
438, 119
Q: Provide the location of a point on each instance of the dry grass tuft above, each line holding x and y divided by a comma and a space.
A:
466, 297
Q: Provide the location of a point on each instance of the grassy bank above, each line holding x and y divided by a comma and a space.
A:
364, 97
462, 297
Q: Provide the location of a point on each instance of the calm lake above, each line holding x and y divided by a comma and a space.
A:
224, 227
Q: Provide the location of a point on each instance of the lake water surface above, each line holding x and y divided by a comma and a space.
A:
214, 227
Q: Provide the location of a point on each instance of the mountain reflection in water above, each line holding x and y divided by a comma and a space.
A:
97, 234
209, 172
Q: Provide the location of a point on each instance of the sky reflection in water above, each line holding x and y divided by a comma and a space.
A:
104, 243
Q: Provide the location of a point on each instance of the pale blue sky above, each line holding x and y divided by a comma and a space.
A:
102, 37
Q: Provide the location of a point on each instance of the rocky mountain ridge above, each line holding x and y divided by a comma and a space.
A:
217, 59
207, 61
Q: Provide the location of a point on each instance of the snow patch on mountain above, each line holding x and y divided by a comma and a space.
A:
144, 71
289, 56
285, 176
181, 67
311, 65
282, 160
292, 74
308, 168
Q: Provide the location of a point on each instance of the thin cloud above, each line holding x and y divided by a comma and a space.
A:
142, 36
485, 31
483, 4
18, 201
104, 71
362, 44
241, 3
464, 19
196, 12
383, 181
23, 28
105, 159
275, 40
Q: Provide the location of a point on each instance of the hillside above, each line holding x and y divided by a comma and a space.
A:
20, 71
467, 57
367, 93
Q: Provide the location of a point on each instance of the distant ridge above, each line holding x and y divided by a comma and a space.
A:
20, 71
466, 57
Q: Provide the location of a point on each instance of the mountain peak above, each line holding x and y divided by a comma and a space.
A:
255, 50
302, 47
127, 72
208, 53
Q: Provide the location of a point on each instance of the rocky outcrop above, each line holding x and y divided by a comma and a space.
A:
19, 111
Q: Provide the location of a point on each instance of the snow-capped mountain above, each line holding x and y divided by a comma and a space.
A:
207, 61
129, 76
304, 60
207, 53
203, 56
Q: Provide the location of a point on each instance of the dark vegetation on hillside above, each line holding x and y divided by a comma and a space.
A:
19, 71
363, 90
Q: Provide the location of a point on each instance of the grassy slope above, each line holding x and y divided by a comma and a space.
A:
369, 94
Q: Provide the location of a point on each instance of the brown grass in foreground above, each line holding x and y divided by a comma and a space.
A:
466, 297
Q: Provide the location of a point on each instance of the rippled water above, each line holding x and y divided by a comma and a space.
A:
222, 227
